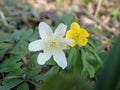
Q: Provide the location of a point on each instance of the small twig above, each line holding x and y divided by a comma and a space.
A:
106, 28
98, 8
24, 60
98, 36
104, 40
3, 18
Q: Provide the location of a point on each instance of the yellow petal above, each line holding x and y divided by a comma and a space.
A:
75, 26
82, 41
84, 32
69, 34
77, 34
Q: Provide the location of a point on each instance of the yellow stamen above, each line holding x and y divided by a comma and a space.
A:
52, 45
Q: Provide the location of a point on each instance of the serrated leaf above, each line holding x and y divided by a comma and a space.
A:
5, 37
87, 68
51, 72
10, 61
20, 51
35, 71
61, 81
74, 60
2, 52
5, 45
51, 62
3, 48
67, 18
26, 34
22, 44
110, 76
91, 70
23, 86
35, 83
12, 77
9, 84
16, 68
17, 35
11, 64
93, 52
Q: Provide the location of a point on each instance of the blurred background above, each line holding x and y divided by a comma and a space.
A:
100, 17
19, 21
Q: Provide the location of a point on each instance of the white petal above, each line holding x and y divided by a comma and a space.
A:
43, 57
68, 41
45, 31
60, 58
64, 42
60, 30
35, 45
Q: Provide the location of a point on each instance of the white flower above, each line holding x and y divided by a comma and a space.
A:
52, 44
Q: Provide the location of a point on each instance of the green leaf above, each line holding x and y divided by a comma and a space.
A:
26, 34
93, 52
11, 60
5, 37
22, 44
45, 76
21, 48
84, 2
5, 45
51, 62
115, 14
91, 70
67, 18
110, 76
23, 86
12, 77
61, 81
17, 35
36, 83
16, 68
9, 63
74, 60
2, 52
20, 51
9, 84
87, 68
35, 71
3, 48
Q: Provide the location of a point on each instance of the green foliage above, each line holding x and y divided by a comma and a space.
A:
10, 83
19, 69
74, 60
4, 48
67, 18
115, 14
84, 2
87, 67
23, 86
110, 76
84, 60
66, 82
15, 71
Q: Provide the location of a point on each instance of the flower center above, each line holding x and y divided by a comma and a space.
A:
52, 45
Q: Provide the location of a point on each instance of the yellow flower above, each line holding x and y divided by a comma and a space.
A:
77, 34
